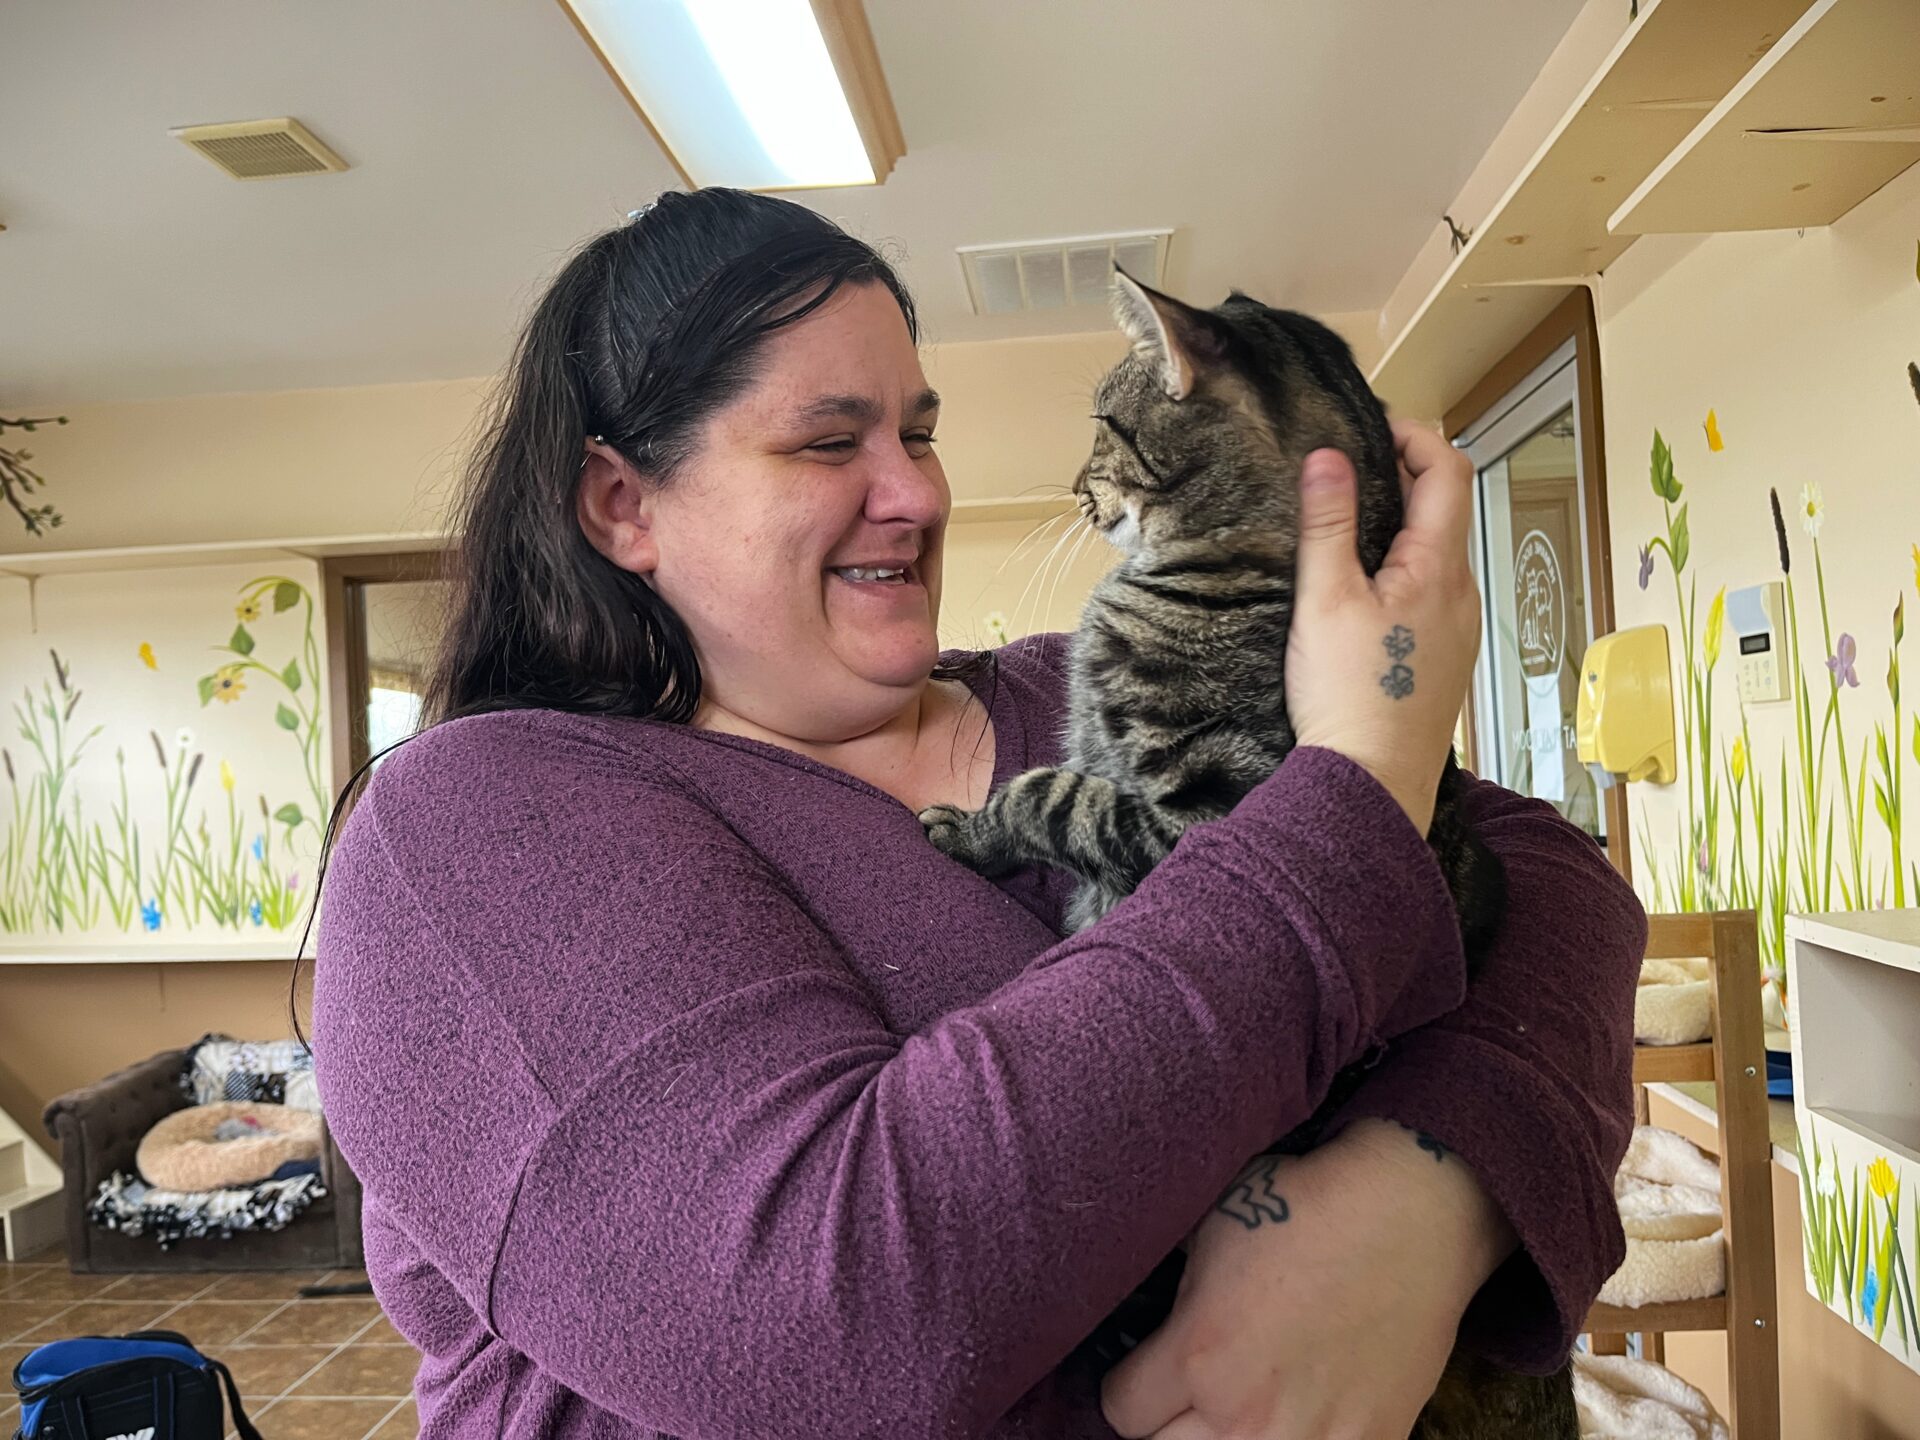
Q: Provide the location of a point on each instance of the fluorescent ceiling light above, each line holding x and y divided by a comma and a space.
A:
759, 94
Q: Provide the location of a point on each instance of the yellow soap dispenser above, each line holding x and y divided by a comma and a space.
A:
1625, 717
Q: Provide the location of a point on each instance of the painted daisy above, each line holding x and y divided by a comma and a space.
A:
1813, 509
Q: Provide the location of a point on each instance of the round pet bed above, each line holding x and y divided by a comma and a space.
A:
185, 1152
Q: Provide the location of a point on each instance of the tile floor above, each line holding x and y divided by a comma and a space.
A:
330, 1369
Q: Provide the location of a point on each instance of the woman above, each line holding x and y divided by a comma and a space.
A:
694, 1093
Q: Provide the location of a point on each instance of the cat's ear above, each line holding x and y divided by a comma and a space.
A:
1177, 341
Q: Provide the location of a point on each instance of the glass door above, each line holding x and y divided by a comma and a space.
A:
1530, 549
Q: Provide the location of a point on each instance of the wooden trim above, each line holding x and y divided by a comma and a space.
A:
1665, 1064
1679, 937
1675, 1315
1748, 1310
1561, 325
1572, 319
343, 580
1746, 1183
856, 60
632, 99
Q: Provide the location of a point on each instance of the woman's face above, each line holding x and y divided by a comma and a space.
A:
801, 543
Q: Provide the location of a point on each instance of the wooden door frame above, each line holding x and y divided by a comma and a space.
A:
1572, 319
342, 579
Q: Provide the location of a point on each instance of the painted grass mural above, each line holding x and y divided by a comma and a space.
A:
1786, 832
208, 852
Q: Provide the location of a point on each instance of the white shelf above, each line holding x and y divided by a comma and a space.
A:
128, 952
1548, 233
28, 564
1853, 981
1826, 118
1888, 937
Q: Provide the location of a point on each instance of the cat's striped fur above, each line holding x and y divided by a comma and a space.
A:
1177, 708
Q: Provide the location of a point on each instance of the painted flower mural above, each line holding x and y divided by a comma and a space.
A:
172, 854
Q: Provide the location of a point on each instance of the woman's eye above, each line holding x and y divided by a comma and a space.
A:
918, 444
845, 445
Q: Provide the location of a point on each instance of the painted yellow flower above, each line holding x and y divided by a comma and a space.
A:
146, 650
1916, 567
1716, 622
1813, 509
1880, 1178
1737, 762
248, 611
227, 684
226, 777
1714, 442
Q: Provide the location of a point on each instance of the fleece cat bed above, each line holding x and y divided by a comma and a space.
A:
1620, 1398
1672, 1005
1669, 1198
226, 1144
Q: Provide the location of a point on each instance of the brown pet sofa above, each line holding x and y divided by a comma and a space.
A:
100, 1127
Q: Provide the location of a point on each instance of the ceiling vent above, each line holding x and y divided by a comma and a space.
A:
1059, 274
262, 149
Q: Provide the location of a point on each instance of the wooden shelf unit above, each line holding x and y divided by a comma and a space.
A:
1735, 1060
1826, 118
1549, 232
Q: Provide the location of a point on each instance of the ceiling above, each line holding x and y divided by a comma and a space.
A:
1303, 150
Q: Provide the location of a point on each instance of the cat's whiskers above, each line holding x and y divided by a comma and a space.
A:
1027, 541
1038, 578
1073, 558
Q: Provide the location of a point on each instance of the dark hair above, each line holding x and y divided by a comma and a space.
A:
646, 332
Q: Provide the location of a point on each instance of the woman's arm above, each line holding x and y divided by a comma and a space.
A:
1530, 1082
636, 1109
1332, 1286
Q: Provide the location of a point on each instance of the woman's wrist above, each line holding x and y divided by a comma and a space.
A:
1406, 1178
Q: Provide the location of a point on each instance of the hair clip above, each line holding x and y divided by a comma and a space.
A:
633, 215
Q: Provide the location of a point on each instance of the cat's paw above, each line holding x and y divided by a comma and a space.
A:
949, 828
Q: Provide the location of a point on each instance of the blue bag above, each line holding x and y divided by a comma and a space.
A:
150, 1385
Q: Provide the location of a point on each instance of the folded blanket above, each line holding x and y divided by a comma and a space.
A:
129, 1205
1625, 1399
1669, 1198
278, 1072
1672, 1005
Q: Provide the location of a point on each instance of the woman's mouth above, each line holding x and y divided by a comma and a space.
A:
875, 574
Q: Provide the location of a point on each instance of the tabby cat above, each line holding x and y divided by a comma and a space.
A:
1176, 710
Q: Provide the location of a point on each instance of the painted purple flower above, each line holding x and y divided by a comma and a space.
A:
1703, 861
1841, 661
1646, 565
293, 880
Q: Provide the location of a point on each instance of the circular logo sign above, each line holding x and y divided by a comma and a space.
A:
1539, 607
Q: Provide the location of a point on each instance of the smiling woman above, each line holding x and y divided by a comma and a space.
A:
693, 1092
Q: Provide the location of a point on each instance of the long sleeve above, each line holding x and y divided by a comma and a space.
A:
1530, 1081
763, 1212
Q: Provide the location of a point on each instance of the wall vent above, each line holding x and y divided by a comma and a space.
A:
1059, 274
261, 149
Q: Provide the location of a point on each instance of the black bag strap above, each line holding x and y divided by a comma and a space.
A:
243, 1427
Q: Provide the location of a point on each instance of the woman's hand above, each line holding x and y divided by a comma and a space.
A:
1378, 666
1320, 1300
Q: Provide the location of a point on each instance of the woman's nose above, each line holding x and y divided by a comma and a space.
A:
906, 489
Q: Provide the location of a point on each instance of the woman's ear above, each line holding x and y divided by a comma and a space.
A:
615, 510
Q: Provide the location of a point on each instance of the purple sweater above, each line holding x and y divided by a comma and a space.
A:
693, 1093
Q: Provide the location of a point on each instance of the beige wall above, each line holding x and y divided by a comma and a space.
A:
1799, 342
